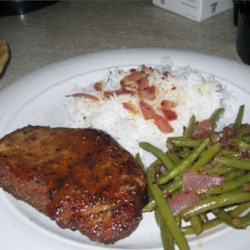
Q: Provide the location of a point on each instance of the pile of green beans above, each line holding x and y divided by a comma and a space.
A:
225, 153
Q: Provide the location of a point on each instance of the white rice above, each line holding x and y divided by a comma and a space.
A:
195, 94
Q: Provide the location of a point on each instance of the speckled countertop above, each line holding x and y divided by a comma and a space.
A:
71, 28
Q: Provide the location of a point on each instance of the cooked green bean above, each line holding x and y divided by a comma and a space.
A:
214, 202
190, 129
239, 164
215, 116
140, 163
187, 230
225, 217
242, 222
165, 212
218, 171
196, 224
239, 118
150, 206
219, 154
184, 142
241, 208
229, 185
174, 158
185, 163
240, 144
158, 153
206, 157
166, 236
230, 153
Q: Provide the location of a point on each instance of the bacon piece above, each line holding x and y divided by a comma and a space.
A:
98, 86
122, 91
200, 183
162, 123
169, 114
146, 91
131, 107
165, 104
183, 200
147, 110
131, 80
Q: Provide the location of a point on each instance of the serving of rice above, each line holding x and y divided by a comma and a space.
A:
193, 93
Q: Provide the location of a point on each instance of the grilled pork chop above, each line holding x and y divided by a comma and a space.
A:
81, 178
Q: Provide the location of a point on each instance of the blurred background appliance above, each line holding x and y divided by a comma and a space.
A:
20, 7
242, 21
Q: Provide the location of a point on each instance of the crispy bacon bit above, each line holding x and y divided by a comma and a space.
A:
147, 110
204, 129
167, 104
98, 86
92, 97
148, 93
163, 124
122, 91
142, 83
169, 114
131, 107
131, 79
183, 200
200, 183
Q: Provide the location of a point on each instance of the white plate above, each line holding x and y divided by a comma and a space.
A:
38, 99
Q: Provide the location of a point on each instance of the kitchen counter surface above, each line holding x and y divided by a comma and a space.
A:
71, 28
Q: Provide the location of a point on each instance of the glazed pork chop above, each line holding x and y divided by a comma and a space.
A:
81, 178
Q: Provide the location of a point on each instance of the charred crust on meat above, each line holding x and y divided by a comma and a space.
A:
81, 178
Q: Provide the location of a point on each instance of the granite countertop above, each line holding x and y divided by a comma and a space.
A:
71, 28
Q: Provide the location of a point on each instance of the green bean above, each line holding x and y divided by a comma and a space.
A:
218, 171
140, 163
242, 222
166, 236
229, 185
239, 118
190, 129
227, 218
150, 206
173, 187
187, 230
184, 142
158, 153
166, 212
214, 202
185, 163
240, 209
230, 153
206, 157
196, 224
215, 116
240, 144
230, 176
157, 216
239, 164
174, 158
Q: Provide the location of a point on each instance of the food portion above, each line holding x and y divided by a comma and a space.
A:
139, 135
145, 103
202, 181
81, 178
